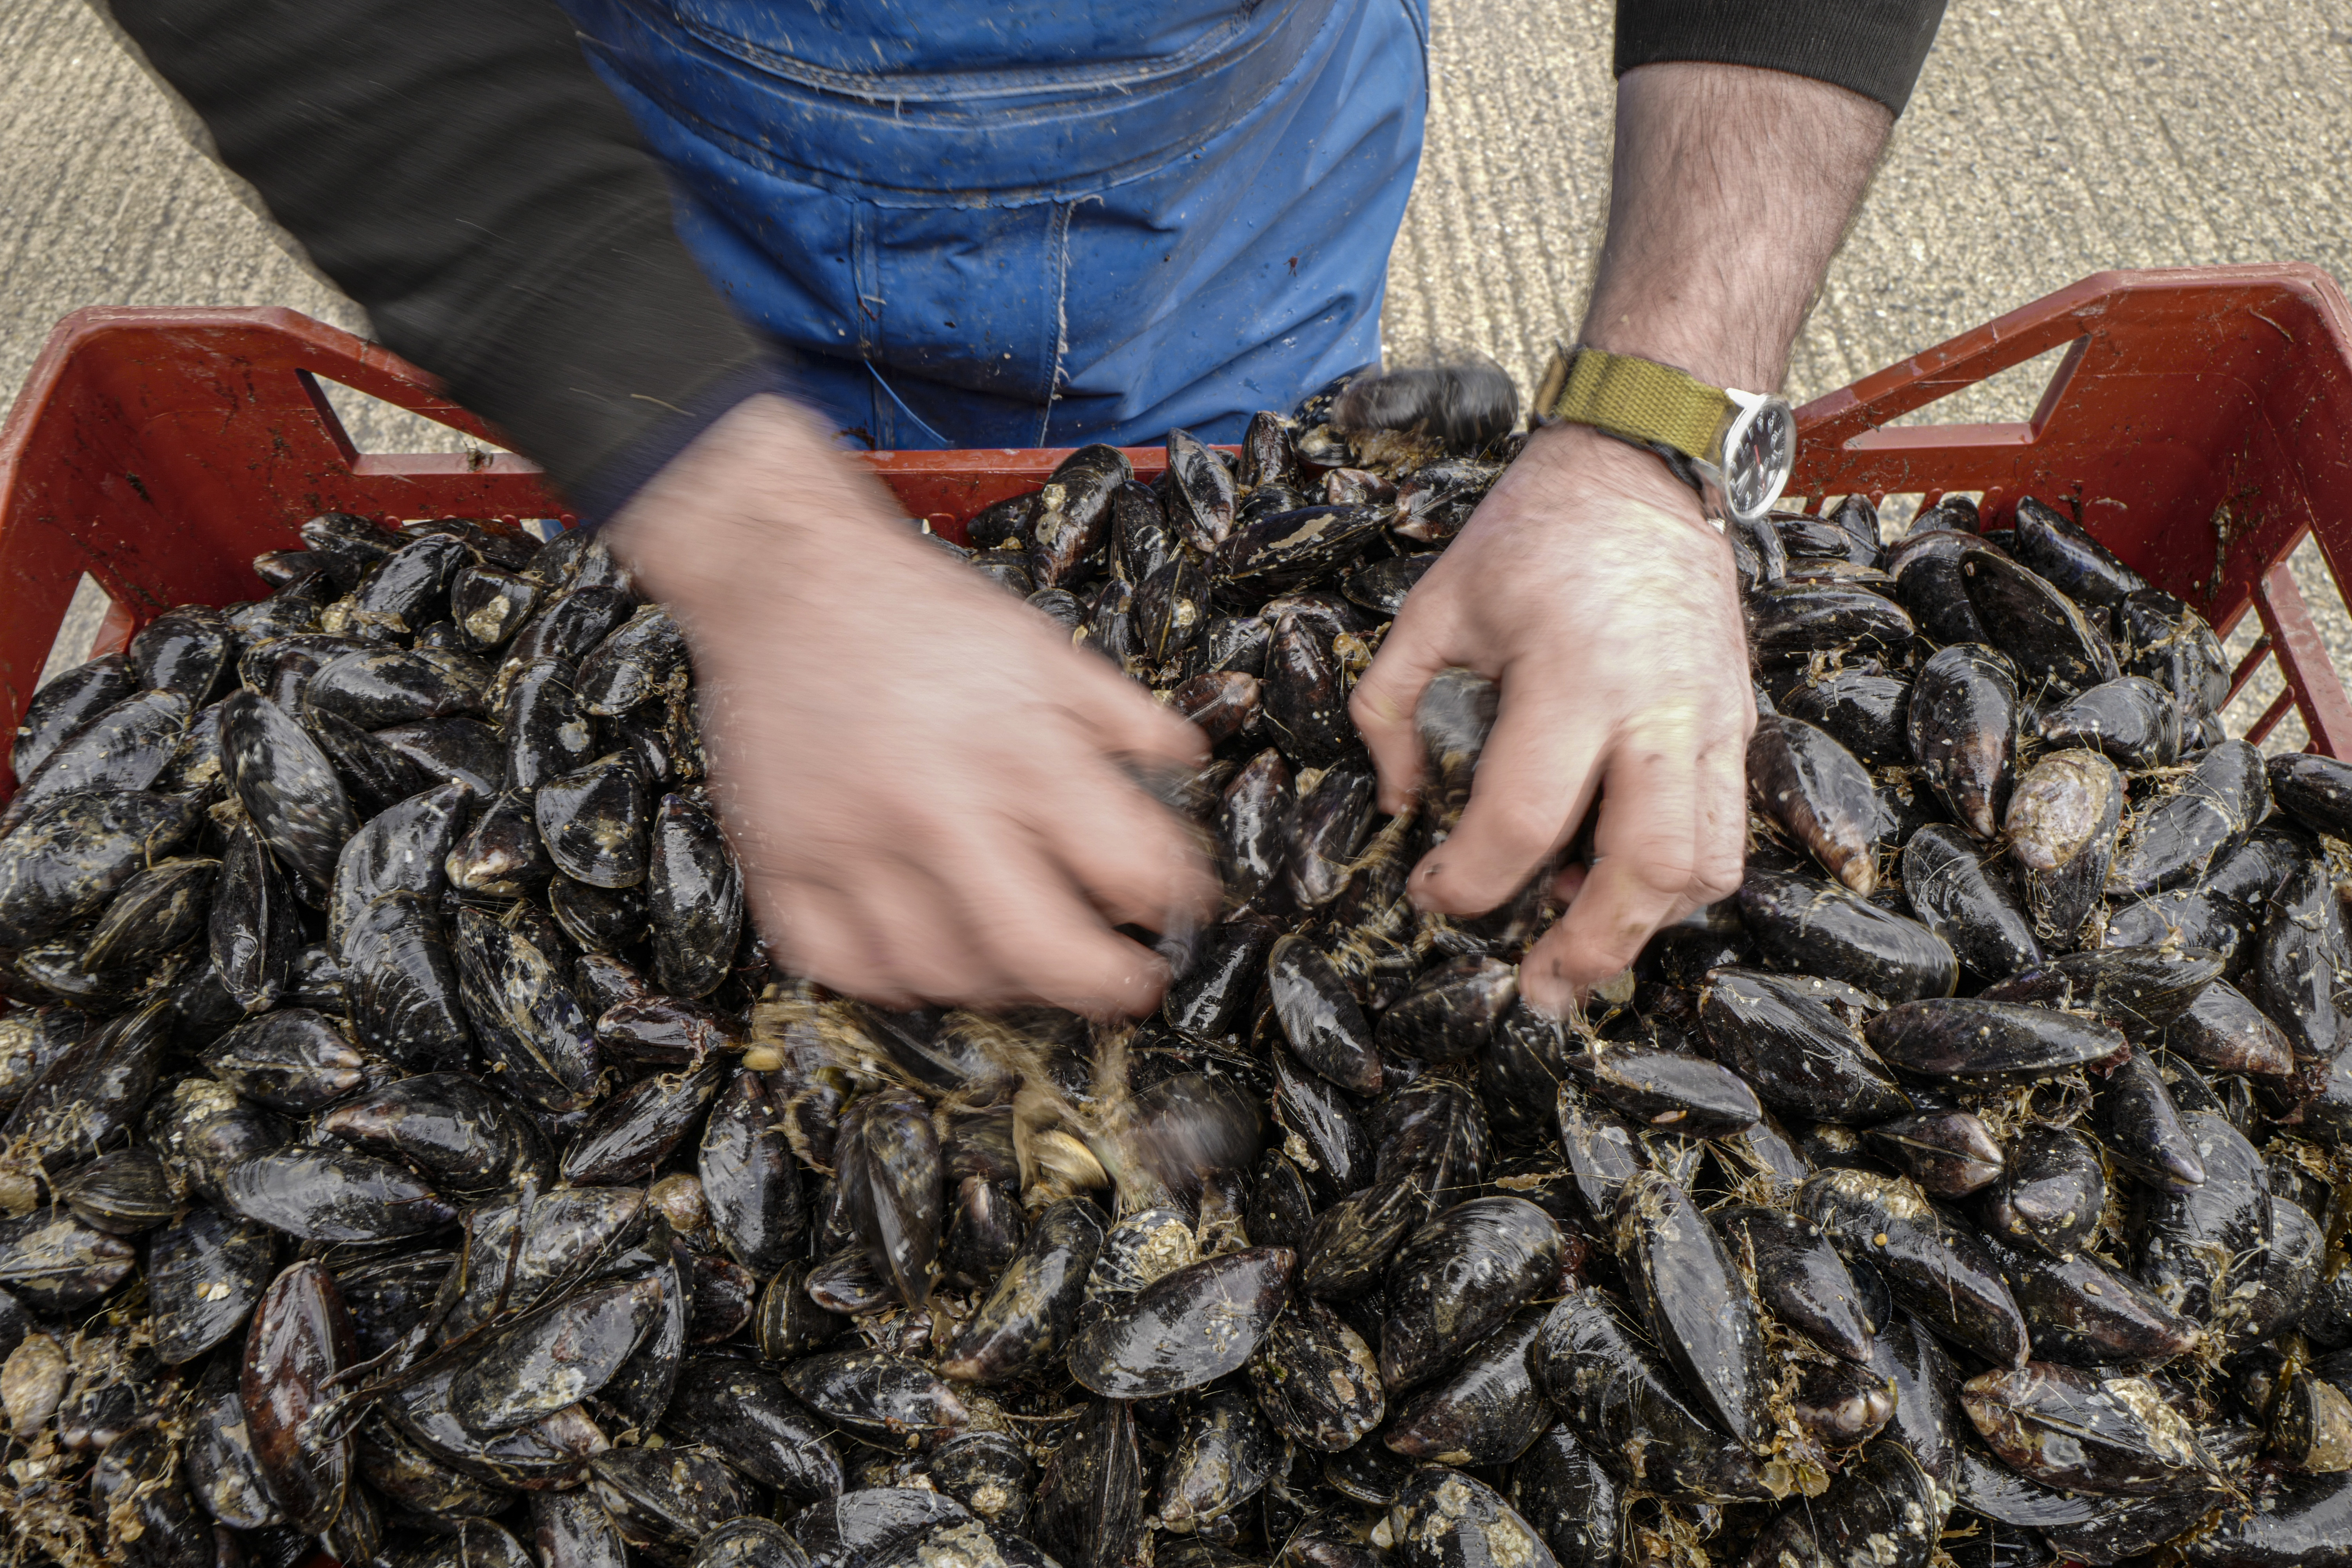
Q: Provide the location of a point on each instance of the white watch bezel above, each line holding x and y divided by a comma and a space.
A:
1755, 504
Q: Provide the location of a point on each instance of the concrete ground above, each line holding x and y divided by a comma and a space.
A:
2048, 139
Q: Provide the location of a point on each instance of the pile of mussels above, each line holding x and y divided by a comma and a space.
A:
410, 1155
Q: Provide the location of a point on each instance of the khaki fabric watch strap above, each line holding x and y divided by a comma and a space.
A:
1651, 403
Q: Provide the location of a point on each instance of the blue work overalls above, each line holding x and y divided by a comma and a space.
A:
1018, 223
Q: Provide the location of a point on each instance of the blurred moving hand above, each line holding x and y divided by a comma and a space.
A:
925, 780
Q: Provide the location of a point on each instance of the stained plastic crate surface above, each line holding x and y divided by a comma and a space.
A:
2200, 424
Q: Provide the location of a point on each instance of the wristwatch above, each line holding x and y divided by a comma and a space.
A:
1735, 449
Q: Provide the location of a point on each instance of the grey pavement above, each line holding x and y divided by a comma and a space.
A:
2048, 139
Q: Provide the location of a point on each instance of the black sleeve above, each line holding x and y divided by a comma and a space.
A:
1875, 47
456, 168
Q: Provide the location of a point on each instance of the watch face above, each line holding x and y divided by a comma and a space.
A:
1758, 453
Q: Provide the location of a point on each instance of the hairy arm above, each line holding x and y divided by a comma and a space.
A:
1588, 584
1730, 189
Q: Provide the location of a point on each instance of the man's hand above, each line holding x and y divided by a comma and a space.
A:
1590, 587
1586, 583
923, 778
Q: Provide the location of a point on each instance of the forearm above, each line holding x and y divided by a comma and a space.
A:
1730, 189
455, 167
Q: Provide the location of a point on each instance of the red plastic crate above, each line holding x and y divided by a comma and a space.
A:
2202, 423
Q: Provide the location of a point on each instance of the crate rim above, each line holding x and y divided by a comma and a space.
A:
1844, 432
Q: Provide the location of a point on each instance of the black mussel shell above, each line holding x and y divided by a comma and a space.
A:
1957, 893
1089, 1511
2141, 1128
190, 650
288, 789
89, 1096
124, 1193
883, 1397
1223, 1455
627, 1137
1693, 1301
402, 981
548, 1360
1963, 725
65, 859
2189, 1240
292, 1059
127, 747
1316, 1381
1187, 1327
330, 1194
2131, 720
593, 821
2173, 840
2083, 1313
888, 1176
1306, 695
2045, 634
666, 1500
447, 1125
1937, 1268
377, 688
490, 604
1971, 1038
693, 891
1630, 1410
1074, 513
2086, 1431
1200, 490
1348, 1250
1443, 1517
64, 704
300, 1338
2069, 557
52, 1261
630, 665
1798, 1275
1951, 1153
1436, 1307
1803, 779
524, 1016
1797, 1041
2049, 1195
1253, 823
750, 1179
405, 846
1805, 924
1027, 1316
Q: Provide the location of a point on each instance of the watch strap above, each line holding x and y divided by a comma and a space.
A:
1640, 399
